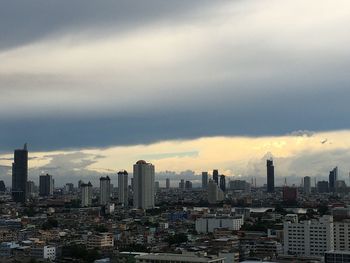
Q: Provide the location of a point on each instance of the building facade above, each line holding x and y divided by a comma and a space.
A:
45, 185
144, 191
270, 170
123, 191
20, 174
86, 194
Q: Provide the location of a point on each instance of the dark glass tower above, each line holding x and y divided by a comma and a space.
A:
20, 174
223, 182
216, 176
333, 177
270, 176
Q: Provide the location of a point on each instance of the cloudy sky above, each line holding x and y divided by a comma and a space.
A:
93, 86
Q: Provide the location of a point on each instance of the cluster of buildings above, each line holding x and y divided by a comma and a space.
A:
139, 221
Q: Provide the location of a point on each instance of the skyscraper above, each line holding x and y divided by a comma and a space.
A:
45, 185
223, 183
123, 191
333, 177
20, 174
182, 184
270, 176
105, 190
204, 180
216, 176
143, 185
86, 194
307, 185
167, 183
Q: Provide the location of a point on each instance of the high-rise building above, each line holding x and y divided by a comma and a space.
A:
215, 194
156, 186
105, 190
333, 177
309, 237
204, 180
167, 183
182, 184
188, 185
223, 182
45, 185
86, 194
143, 185
307, 185
216, 176
270, 176
2, 186
322, 187
30, 189
20, 174
123, 191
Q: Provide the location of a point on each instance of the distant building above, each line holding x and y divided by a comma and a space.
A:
45, 252
333, 177
216, 176
167, 183
30, 189
182, 184
123, 192
2, 186
69, 188
100, 241
239, 185
309, 237
156, 186
86, 194
209, 223
204, 180
322, 187
270, 176
20, 174
215, 194
105, 190
144, 191
188, 185
45, 185
223, 182
289, 194
307, 185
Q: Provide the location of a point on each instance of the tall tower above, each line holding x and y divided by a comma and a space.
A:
307, 185
105, 190
86, 194
20, 174
216, 177
143, 185
167, 183
45, 185
270, 176
333, 177
204, 180
223, 183
123, 191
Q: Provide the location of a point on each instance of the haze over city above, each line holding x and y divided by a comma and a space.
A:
190, 86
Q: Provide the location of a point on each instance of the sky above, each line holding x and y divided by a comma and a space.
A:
191, 86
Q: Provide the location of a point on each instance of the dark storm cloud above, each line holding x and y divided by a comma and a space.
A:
22, 22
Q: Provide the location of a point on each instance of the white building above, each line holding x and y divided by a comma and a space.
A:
210, 223
123, 188
144, 185
177, 258
309, 237
341, 235
45, 252
105, 190
215, 194
86, 194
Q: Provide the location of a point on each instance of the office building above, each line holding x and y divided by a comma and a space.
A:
307, 185
309, 237
144, 191
216, 176
336, 256
45, 185
322, 187
208, 224
105, 190
86, 194
204, 180
182, 184
215, 194
188, 185
223, 182
167, 183
270, 176
20, 174
123, 191
333, 177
